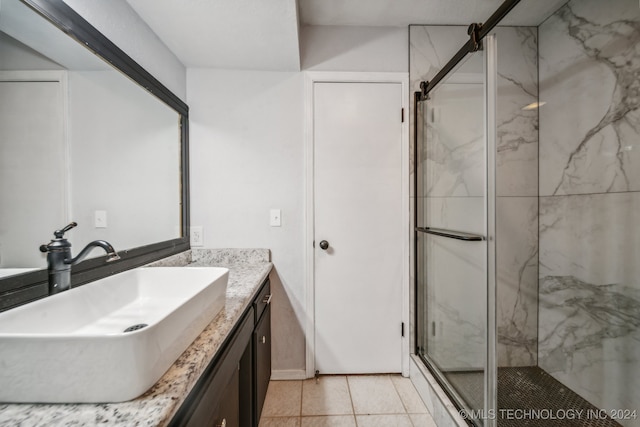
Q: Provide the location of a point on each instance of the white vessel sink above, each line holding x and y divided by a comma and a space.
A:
71, 347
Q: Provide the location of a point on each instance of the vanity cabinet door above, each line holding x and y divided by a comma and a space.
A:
215, 399
262, 359
228, 411
246, 388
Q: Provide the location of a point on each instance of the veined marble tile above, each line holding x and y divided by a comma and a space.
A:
589, 79
455, 213
456, 302
517, 268
454, 118
589, 327
430, 47
454, 154
517, 129
590, 340
595, 238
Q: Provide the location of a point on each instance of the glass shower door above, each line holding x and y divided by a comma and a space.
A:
452, 224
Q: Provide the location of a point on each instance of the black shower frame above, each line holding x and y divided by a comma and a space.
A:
23, 288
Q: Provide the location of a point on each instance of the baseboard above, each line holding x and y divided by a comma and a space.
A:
288, 374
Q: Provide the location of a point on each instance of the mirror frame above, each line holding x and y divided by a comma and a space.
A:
23, 288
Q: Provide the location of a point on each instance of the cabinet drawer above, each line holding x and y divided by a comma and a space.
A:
262, 300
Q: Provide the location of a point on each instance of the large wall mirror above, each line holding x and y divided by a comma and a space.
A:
86, 135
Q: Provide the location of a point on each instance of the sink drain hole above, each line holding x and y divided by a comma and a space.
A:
135, 327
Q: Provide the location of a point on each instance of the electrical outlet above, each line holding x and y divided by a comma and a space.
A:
195, 236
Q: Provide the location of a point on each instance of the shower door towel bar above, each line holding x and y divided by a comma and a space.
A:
452, 234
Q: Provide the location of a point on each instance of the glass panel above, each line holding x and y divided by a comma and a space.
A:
452, 198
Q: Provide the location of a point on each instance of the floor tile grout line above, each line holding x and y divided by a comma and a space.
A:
301, 397
404, 405
418, 395
351, 400
353, 407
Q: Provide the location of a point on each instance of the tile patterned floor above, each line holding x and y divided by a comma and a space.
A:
345, 401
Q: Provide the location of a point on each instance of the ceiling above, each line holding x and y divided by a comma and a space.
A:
232, 34
426, 12
264, 35
394, 12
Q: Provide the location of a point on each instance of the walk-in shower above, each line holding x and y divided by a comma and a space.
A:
527, 212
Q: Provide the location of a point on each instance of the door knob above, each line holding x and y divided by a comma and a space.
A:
324, 245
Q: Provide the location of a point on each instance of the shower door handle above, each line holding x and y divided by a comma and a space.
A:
452, 234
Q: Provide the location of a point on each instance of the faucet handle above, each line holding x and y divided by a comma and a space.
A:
60, 233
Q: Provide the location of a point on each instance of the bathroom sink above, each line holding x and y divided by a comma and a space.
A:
107, 341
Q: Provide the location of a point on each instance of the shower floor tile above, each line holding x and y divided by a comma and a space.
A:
524, 389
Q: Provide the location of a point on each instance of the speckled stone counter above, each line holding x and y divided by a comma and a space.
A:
248, 268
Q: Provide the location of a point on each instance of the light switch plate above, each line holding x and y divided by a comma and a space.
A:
275, 218
195, 236
100, 219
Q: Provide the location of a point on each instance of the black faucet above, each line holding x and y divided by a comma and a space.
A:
59, 260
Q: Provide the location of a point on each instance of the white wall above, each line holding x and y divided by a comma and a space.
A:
334, 48
122, 25
124, 159
247, 158
17, 56
247, 149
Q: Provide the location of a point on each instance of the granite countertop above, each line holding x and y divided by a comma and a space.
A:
248, 268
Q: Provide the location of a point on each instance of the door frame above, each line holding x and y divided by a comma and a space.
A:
310, 78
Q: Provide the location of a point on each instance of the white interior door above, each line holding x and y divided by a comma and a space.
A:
358, 211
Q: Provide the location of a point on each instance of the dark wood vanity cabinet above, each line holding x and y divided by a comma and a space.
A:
228, 411
262, 359
231, 391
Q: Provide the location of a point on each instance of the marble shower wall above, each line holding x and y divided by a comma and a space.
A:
589, 330
451, 189
517, 196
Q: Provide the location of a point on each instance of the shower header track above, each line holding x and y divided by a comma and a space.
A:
476, 33
451, 234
